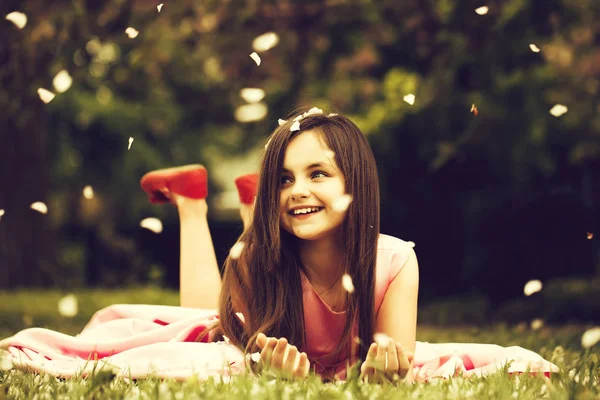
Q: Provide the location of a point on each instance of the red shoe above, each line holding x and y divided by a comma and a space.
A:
246, 186
189, 181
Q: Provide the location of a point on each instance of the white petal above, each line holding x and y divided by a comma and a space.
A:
255, 357
558, 110
265, 42
1, 213
236, 250
251, 112
347, 283
409, 98
5, 363
255, 57
590, 337
281, 121
152, 224
130, 142
67, 306
534, 48
17, 18
45, 95
314, 110
532, 287
88, 192
537, 324
252, 95
40, 207
382, 339
62, 81
131, 32
411, 244
295, 126
342, 203
482, 10
332, 115
158, 7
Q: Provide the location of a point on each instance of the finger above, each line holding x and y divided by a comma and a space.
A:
290, 361
404, 364
261, 340
382, 349
393, 363
267, 352
279, 353
366, 369
303, 366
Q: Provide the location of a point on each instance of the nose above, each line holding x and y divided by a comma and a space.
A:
299, 190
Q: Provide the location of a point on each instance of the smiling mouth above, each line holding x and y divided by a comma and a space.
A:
306, 214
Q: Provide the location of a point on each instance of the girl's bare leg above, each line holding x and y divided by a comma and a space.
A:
200, 280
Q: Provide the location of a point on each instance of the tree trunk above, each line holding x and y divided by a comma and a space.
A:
27, 256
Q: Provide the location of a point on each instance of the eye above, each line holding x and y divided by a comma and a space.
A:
284, 178
319, 173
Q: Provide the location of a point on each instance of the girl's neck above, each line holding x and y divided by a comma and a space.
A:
323, 261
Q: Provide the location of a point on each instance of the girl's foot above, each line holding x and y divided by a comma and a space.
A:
247, 186
190, 181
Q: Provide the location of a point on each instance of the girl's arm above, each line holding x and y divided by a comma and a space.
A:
200, 279
397, 317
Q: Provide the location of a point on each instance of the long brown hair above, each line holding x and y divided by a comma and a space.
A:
264, 282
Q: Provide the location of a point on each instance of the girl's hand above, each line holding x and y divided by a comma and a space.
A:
273, 357
375, 368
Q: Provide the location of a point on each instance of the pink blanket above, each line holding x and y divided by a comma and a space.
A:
137, 341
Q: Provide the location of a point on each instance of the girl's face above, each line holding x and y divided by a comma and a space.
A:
310, 179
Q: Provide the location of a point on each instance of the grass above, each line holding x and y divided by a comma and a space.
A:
20, 309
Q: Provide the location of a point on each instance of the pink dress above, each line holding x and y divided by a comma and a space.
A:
324, 327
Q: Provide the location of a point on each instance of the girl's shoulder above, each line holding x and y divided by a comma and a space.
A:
392, 254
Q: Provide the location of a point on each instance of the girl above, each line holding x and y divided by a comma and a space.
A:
315, 280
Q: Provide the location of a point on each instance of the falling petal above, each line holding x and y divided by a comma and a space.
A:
236, 250
281, 121
409, 98
382, 339
410, 244
589, 235
130, 141
537, 324
252, 95
342, 203
590, 337
474, 110
67, 306
45, 95
88, 192
17, 18
558, 110
534, 48
255, 57
265, 42
532, 287
62, 81
131, 32
40, 207
1, 214
152, 224
251, 112
158, 7
347, 283
255, 357
482, 10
